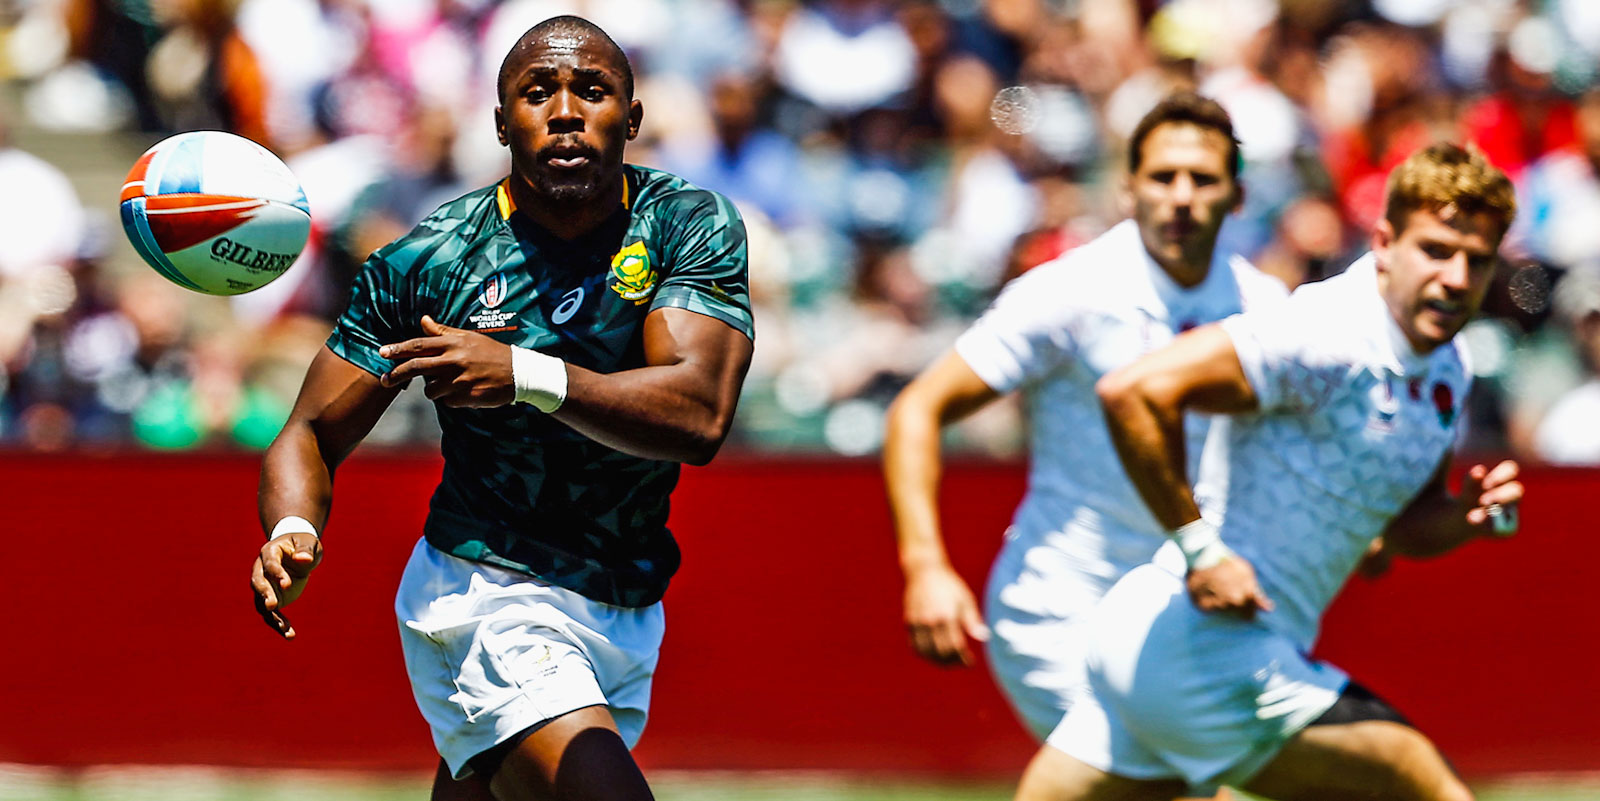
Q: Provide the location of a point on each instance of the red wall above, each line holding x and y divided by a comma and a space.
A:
131, 635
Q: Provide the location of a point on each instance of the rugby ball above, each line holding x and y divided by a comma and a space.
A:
214, 212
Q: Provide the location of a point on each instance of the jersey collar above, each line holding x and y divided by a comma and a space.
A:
1402, 357
508, 204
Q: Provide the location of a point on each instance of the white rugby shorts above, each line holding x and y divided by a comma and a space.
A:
1035, 605
1174, 692
491, 652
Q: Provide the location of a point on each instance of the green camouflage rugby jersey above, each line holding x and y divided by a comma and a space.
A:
521, 490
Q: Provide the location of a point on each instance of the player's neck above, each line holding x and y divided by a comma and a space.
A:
566, 219
1185, 274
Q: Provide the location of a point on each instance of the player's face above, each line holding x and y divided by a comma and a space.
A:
565, 118
1181, 193
1434, 273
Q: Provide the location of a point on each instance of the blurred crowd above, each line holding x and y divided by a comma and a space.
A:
895, 161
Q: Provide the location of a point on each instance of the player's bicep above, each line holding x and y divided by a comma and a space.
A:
1198, 371
709, 356
948, 390
339, 403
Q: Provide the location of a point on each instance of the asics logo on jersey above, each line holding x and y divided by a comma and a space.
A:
569, 306
494, 291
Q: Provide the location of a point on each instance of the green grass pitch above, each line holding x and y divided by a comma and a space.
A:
25, 783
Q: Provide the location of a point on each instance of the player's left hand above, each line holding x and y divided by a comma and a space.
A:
1490, 496
458, 368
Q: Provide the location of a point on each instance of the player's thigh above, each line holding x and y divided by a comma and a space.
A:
1370, 759
578, 756
448, 788
1053, 775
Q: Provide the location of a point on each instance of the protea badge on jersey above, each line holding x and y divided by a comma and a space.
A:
214, 212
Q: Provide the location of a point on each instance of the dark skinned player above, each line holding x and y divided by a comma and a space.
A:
583, 327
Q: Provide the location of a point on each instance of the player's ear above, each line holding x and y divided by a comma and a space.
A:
500, 125
1238, 195
1383, 236
1124, 194
635, 117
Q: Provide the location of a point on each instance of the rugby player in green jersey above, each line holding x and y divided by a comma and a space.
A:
582, 327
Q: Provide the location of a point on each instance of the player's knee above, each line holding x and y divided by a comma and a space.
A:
1425, 770
1451, 789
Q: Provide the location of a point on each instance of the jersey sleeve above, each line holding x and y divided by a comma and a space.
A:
1289, 358
378, 306
1027, 332
708, 270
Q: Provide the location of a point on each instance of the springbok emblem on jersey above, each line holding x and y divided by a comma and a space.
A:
635, 277
494, 291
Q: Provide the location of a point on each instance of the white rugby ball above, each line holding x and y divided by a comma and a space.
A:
215, 212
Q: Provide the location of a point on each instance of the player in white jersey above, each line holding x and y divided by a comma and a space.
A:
1050, 335
1346, 400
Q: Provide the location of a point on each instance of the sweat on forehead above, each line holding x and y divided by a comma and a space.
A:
561, 36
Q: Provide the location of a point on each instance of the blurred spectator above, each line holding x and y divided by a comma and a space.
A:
203, 75
845, 56
1309, 241
1560, 196
1525, 117
1378, 108
754, 166
301, 45
896, 161
41, 222
1570, 431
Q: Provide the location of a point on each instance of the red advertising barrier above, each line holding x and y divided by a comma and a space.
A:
131, 637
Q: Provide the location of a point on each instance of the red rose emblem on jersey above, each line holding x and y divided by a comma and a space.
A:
1444, 401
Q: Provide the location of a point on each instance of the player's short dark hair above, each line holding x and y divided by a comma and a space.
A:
572, 26
1186, 107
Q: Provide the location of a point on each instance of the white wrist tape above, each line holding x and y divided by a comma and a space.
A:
293, 524
1201, 544
540, 379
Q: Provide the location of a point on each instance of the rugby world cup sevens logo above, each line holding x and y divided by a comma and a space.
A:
494, 291
635, 277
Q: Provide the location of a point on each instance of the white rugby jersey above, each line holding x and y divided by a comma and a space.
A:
1353, 423
1051, 334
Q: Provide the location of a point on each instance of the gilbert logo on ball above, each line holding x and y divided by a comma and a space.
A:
214, 212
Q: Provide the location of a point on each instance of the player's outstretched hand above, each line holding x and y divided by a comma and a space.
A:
1228, 586
1490, 496
280, 574
458, 368
941, 614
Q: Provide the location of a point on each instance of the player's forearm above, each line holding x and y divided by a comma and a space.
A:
660, 412
296, 478
1147, 429
911, 472
1432, 525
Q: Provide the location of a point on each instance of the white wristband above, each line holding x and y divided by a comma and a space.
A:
540, 379
293, 524
1201, 544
